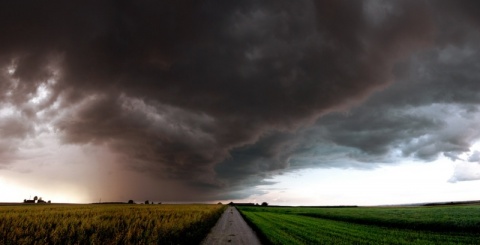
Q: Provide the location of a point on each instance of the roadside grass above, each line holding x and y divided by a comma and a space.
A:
107, 224
366, 225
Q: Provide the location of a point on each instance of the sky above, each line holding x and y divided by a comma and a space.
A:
308, 102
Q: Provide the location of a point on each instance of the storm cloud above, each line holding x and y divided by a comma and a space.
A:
218, 96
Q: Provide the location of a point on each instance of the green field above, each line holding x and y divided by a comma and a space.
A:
107, 224
375, 225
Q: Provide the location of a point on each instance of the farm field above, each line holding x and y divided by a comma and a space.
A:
107, 224
366, 225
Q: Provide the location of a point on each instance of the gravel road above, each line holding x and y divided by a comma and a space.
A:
231, 229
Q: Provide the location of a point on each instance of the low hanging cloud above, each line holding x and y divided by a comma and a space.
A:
219, 96
466, 171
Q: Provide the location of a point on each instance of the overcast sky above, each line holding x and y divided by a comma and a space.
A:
293, 102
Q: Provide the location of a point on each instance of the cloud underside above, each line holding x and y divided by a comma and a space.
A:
219, 96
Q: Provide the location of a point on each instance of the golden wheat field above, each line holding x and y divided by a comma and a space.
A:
107, 224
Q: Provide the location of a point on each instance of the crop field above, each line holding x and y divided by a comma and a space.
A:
390, 225
107, 224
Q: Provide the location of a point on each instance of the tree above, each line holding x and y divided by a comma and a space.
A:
147, 202
264, 204
35, 198
49, 202
40, 200
130, 202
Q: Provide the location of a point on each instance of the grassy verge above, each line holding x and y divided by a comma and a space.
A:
258, 231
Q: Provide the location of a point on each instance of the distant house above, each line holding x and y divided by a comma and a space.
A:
36, 200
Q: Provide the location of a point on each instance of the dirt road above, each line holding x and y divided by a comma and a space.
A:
231, 229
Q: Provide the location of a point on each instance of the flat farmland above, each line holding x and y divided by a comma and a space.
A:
107, 224
366, 225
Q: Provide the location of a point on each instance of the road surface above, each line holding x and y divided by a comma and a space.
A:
231, 229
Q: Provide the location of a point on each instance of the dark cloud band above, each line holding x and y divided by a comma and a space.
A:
220, 95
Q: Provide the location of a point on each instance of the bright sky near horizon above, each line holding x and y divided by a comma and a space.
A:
312, 102
427, 182
407, 183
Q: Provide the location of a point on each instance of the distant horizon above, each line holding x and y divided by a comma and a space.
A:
269, 204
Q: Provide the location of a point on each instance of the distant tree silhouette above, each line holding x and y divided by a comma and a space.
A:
219, 203
40, 200
49, 202
24, 200
35, 198
264, 204
147, 202
130, 202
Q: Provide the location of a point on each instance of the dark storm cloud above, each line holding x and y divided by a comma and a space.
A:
14, 127
220, 95
430, 110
